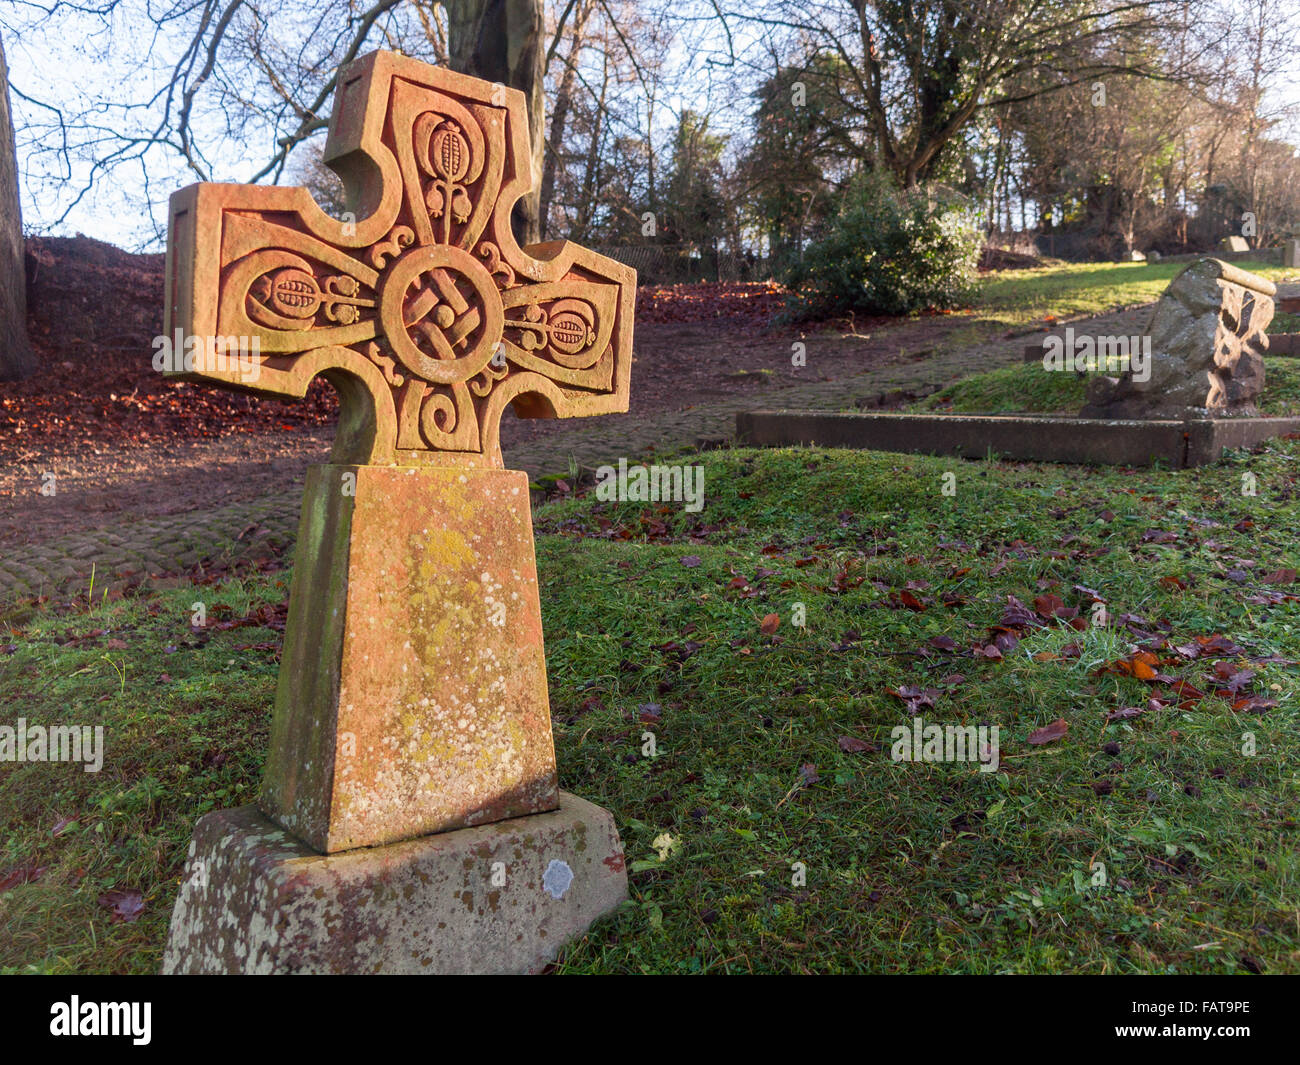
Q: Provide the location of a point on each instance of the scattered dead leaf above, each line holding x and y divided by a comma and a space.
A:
1049, 733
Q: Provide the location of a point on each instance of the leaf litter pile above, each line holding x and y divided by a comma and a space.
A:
94, 311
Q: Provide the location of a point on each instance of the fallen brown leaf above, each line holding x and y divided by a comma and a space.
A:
126, 905
1049, 733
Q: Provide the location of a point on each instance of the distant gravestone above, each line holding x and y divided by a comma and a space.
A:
1234, 244
1291, 253
410, 819
1208, 334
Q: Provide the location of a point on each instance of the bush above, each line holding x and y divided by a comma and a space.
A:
888, 252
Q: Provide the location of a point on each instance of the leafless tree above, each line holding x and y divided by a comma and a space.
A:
916, 74
249, 72
16, 356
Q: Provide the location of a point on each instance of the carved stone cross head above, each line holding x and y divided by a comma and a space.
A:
423, 312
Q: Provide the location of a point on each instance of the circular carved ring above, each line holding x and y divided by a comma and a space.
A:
442, 313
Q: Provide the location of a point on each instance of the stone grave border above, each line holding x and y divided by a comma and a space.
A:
1020, 437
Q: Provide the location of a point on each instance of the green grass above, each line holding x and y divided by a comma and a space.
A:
1018, 302
1065, 290
909, 866
1030, 389
185, 725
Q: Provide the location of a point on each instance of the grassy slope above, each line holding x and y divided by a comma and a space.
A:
1065, 290
909, 867
1020, 301
1030, 389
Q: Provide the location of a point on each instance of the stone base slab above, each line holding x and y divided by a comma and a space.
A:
498, 898
1024, 438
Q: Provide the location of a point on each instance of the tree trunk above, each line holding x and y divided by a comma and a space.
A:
590, 172
16, 356
999, 162
560, 116
501, 41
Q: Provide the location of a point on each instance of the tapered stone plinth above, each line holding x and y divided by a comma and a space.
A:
412, 693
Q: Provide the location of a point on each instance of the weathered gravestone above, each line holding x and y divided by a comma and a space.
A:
410, 819
1209, 332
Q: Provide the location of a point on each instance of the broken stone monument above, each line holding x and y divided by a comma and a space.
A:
1209, 332
409, 818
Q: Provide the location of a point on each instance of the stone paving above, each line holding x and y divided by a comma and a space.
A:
105, 561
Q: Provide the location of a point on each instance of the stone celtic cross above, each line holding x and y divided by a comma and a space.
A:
423, 311
412, 692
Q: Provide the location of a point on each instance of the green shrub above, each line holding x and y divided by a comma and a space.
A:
888, 252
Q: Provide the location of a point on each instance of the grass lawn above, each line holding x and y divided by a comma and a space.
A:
1017, 302
1064, 290
1030, 389
1161, 841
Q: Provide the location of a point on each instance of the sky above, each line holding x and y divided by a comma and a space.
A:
80, 63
